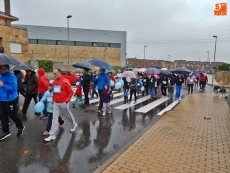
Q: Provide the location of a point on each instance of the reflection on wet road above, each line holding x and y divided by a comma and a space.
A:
96, 139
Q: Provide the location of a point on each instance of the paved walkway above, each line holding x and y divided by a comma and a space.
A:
184, 140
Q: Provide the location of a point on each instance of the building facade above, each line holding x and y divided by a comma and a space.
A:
51, 43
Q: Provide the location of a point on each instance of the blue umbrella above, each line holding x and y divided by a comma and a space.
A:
101, 64
108, 71
82, 65
152, 71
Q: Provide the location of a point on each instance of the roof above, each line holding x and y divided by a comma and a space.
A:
4, 15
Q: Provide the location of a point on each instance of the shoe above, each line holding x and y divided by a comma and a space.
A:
20, 131
74, 107
49, 138
44, 117
188, 93
99, 111
179, 99
46, 133
134, 102
4, 135
103, 113
61, 125
74, 128
109, 112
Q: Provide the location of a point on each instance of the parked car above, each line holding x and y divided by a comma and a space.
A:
70, 75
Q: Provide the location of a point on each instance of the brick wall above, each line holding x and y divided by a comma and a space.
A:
223, 76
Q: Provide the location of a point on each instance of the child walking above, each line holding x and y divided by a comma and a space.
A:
78, 93
47, 98
133, 90
106, 96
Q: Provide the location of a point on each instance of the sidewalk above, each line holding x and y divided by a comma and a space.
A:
182, 141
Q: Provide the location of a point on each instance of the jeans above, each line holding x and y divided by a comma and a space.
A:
126, 91
27, 102
100, 103
45, 109
190, 87
49, 123
106, 107
9, 110
80, 99
178, 90
57, 107
131, 94
152, 92
94, 92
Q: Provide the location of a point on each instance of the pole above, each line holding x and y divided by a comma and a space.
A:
214, 62
68, 40
144, 56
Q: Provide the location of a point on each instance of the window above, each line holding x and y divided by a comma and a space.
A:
117, 45
95, 44
15, 47
71, 43
59, 42
88, 43
79, 43
33, 41
106, 44
52, 42
100, 44
42, 42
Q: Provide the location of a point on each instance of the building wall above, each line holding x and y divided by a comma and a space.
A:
16, 35
2, 21
59, 53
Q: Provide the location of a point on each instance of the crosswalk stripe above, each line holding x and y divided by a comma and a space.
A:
122, 107
168, 108
152, 105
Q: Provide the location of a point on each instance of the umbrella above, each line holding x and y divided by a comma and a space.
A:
101, 64
22, 67
165, 72
129, 74
156, 76
108, 71
152, 71
8, 60
200, 71
141, 70
181, 70
82, 65
155, 66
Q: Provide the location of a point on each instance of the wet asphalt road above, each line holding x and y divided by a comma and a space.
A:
96, 139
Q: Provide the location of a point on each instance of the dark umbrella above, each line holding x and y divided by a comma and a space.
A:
82, 65
165, 72
155, 66
181, 70
22, 67
152, 71
101, 64
8, 60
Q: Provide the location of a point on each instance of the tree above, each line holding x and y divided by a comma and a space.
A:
224, 67
46, 64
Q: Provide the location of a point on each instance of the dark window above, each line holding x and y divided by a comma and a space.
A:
42, 42
71, 43
119, 45
79, 43
59, 42
100, 44
106, 44
88, 43
113, 45
33, 41
52, 42
95, 44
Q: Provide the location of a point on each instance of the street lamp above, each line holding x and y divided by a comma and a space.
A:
214, 60
144, 55
68, 17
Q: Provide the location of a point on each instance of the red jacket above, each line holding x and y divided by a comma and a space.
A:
202, 78
78, 92
43, 81
112, 78
66, 90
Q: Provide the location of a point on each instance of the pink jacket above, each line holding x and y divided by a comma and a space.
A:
191, 80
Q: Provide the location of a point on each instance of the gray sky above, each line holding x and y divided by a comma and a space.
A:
183, 29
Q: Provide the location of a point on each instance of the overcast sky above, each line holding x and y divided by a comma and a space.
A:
183, 29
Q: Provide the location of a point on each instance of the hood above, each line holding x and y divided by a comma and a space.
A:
41, 72
106, 85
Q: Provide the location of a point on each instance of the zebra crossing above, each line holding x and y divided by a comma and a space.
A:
118, 99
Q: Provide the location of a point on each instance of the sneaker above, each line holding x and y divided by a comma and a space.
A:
49, 138
20, 131
109, 111
61, 125
74, 128
134, 102
99, 111
46, 133
4, 135
103, 113
179, 99
44, 117
74, 107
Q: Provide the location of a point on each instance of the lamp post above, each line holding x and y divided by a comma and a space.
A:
68, 17
214, 60
144, 55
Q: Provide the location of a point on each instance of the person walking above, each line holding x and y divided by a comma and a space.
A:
47, 99
151, 85
164, 85
94, 85
62, 94
179, 81
8, 102
103, 79
125, 90
133, 90
78, 95
196, 82
112, 78
106, 96
86, 78
202, 81
190, 83
43, 83
31, 82
21, 86
146, 85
